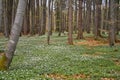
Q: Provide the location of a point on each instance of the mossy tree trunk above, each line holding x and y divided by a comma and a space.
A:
15, 32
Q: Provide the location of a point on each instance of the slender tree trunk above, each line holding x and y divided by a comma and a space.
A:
49, 21
94, 16
60, 18
116, 19
88, 16
28, 17
98, 19
51, 15
106, 15
112, 23
6, 28
32, 18
84, 15
80, 28
25, 24
14, 8
15, 32
70, 39
1, 11
9, 13
37, 16
75, 14
43, 22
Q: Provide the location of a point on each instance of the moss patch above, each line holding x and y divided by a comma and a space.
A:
3, 60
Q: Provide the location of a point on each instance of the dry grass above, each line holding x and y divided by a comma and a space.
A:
93, 42
64, 77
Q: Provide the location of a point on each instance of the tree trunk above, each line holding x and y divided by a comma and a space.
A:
116, 19
51, 15
15, 32
1, 11
84, 15
32, 18
60, 18
94, 16
6, 27
43, 22
49, 21
80, 27
37, 16
98, 19
75, 14
70, 39
112, 23
9, 13
88, 16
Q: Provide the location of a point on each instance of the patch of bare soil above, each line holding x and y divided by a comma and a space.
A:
116, 61
1, 34
63, 77
56, 76
107, 79
91, 42
79, 76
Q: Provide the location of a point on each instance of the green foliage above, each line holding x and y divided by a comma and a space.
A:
35, 60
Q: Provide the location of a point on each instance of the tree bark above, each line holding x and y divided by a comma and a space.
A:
32, 17
70, 31
6, 28
75, 14
15, 32
1, 11
49, 21
98, 19
43, 22
88, 16
112, 23
80, 27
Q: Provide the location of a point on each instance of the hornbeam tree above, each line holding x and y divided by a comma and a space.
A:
14, 37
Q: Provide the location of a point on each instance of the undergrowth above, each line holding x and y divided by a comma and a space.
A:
35, 60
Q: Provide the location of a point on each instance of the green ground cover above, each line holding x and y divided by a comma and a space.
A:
35, 60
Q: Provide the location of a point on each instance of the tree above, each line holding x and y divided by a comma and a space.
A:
70, 39
88, 15
112, 23
15, 32
116, 18
75, 14
1, 11
98, 19
9, 5
6, 28
49, 21
80, 27
43, 22
38, 16
32, 19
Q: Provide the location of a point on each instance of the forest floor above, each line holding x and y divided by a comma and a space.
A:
85, 60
